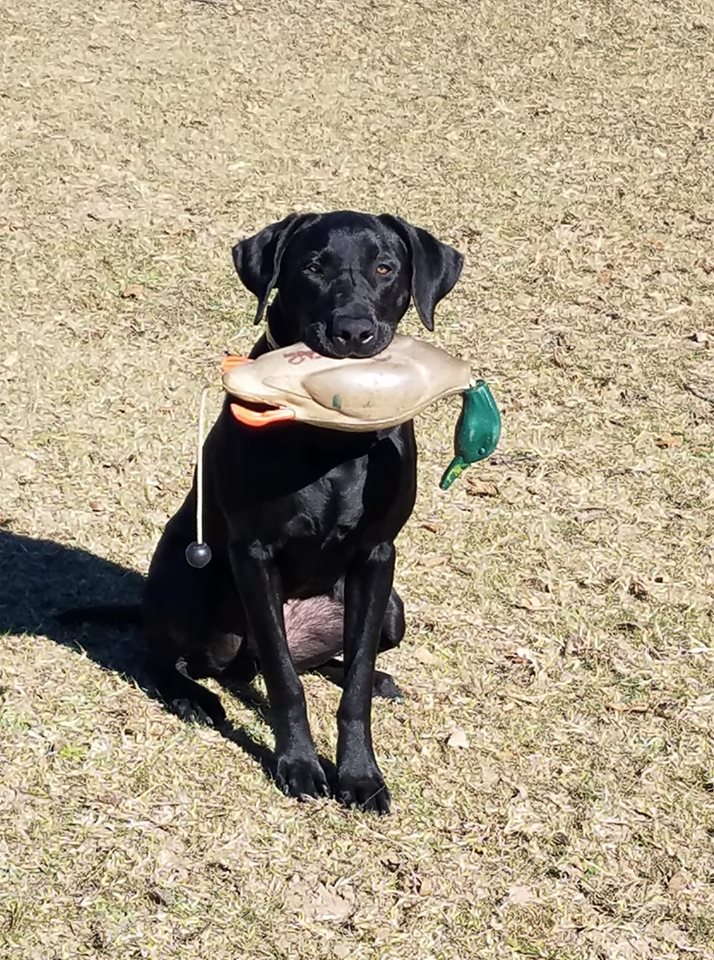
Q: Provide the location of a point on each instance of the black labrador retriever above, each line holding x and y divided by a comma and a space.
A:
294, 512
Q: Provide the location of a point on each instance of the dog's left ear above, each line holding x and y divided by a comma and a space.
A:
435, 267
257, 259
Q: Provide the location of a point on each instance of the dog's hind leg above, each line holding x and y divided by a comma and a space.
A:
188, 699
393, 625
384, 684
180, 614
314, 628
391, 636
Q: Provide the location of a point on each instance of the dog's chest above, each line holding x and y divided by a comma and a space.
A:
315, 500
336, 518
338, 508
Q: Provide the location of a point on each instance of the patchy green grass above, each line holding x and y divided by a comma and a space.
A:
560, 601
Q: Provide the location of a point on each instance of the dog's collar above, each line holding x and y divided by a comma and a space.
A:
272, 342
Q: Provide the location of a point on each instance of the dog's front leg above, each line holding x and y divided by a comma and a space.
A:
368, 585
298, 771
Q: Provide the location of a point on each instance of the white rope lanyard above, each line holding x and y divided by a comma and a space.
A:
199, 464
198, 553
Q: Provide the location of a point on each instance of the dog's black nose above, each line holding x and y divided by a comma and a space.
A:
353, 336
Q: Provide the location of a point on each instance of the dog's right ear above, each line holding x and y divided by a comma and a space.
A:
257, 259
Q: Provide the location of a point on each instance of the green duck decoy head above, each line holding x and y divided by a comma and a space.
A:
477, 431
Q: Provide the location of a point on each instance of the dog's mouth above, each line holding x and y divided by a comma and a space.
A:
315, 337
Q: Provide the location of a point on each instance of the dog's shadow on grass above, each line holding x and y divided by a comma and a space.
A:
40, 578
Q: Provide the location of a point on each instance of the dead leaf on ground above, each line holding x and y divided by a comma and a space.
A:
700, 336
588, 514
703, 393
629, 707
426, 886
106, 212
438, 561
162, 897
532, 603
519, 895
667, 440
171, 867
133, 292
638, 589
671, 933
523, 657
458, 739
331, 905
481, 488
559, 359
426, 657
703, 704
529, 656
319, 902
411, 880
489, 776
675, 884
431, 527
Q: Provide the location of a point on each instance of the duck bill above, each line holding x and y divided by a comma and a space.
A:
260, 418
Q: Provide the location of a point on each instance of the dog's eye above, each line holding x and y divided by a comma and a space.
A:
383, 269
313, 268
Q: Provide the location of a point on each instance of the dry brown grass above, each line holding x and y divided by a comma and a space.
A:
565, 624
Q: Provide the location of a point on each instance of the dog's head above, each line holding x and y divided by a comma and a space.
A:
344, 280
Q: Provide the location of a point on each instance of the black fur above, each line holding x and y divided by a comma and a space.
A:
293, 511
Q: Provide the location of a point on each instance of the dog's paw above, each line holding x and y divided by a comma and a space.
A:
386, 688
209, 712
301, 777
365, 790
